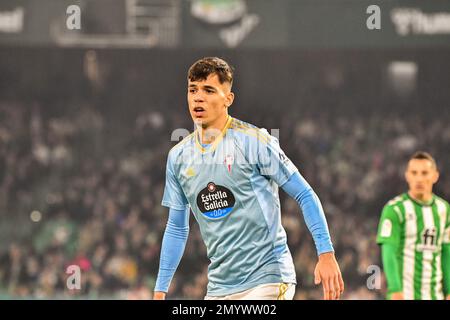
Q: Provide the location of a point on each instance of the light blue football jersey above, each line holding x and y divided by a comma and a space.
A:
232, 189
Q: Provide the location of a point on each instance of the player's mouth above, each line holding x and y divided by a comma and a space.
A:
199, 111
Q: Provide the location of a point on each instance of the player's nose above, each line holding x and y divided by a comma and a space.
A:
199, 98
199, 95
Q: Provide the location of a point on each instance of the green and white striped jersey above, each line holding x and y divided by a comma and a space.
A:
418, 230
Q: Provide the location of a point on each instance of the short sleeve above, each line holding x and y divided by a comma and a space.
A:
389, 227
174, 196
273, 162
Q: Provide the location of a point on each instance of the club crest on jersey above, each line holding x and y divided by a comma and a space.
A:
229, 160
215, 201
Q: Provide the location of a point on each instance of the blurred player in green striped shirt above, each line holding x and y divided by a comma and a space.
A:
414, 234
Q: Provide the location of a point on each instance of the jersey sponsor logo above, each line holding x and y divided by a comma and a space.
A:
429, 240
386, 228
215, 201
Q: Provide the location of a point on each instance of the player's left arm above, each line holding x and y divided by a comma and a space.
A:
274, 164
446, 268
446, 257
327, 270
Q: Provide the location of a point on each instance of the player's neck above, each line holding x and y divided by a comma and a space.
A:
424, 198
210, 132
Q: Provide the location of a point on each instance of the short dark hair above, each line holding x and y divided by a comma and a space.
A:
422, 155
202, 68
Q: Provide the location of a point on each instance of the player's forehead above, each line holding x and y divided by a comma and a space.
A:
420, 164
212, 81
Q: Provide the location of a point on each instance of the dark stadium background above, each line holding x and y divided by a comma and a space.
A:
86, 118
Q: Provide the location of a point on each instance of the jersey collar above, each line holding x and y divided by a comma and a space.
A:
421, 203
216, 141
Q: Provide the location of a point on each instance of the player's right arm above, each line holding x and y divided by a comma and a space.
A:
389, 238
172, 249
176, 232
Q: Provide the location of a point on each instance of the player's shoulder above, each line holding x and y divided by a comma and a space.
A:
392, 207
178, 148
445, 202
252, 132
397, 200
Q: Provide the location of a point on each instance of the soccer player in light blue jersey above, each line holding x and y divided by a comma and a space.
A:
227, 172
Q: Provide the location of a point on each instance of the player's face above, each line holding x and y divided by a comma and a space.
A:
209, 100
421, 175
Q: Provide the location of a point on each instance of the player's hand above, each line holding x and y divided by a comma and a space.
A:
158, 295
448, 297
397, 296
327, 271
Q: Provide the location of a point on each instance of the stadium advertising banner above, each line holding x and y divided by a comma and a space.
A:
316, 23
12, 20
356, 24
225, 23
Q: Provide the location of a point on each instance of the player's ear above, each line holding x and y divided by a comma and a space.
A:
406, 175
435, 176
229, 99
406, 172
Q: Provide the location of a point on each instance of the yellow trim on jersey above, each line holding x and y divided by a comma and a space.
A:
216, 141
251, 131
186, 139
253, 134
283, 288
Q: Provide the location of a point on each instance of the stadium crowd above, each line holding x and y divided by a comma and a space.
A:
81, 184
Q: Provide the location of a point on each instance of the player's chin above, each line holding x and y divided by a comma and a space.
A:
200, 121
